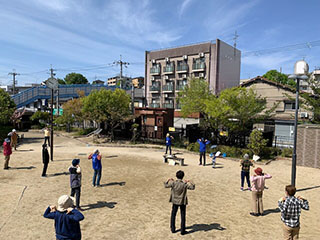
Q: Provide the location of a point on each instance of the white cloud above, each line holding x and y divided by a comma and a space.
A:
183, 7
57, 5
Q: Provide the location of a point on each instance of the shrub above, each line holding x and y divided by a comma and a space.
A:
256, 142
287, 152
193, 147
270, 152
85, 131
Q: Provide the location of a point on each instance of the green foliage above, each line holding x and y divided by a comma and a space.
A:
75, 78
37, 116
287, 152
256, 142
312, 103
7, 107
85, 131
276, 76
4, 130
193, 147
107, 106
61, 81
270, 152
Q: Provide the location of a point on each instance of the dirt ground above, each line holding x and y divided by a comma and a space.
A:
133, 203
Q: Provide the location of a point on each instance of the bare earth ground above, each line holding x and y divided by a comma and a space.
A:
133, 204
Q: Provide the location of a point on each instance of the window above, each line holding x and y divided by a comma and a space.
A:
289, 106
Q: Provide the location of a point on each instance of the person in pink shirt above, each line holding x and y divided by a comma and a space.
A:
7, 151
257, 182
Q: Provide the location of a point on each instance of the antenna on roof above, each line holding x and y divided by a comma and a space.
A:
235, 42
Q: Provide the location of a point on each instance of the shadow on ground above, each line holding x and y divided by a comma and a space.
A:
113, 183
99, 204
205, 227
58, 174
22, 168
268, 211
308, 188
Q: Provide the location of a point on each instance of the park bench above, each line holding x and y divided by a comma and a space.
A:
173, 157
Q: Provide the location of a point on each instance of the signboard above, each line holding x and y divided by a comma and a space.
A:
55, 111
172, 129
156, 128
224, 133
52, 83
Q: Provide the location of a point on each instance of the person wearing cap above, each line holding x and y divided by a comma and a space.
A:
202, 149
66, 219
168, 143
290, 207
97, 167
75, 181
7, 151
258, 182
45, 160
245, 165
14, 139
179, 198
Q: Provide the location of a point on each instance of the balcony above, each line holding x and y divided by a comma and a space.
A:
167, 105
182, 68
155, 70
168, 69
154, 105
180, 87
198, 66
178, 106
154, 88
167, 88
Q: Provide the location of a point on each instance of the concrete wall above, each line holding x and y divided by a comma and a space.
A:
308, 146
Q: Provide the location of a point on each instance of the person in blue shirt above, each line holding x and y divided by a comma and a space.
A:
203, 143
168, 143
97, 167
66, 219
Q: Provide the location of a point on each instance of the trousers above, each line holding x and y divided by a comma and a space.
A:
173, 217
290, 233
44, 171
203, 154
168, 147
245, 175
6, 162
96, 176
257, 205
76, 191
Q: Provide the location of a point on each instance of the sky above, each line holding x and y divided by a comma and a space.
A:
87, 36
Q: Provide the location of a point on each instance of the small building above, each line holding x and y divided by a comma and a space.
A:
281, 124
98, 82
123, 83
155, 122
138, 82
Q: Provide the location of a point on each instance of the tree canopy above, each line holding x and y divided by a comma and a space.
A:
7, 107
276, 76
75, 78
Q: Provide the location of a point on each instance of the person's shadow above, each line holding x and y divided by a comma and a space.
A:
205, 227
268, 211
113, 183
99, 204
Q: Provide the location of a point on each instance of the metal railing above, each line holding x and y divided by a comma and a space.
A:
167, 87
182, 68
167, 105
198, 66
180, 87
155, 88
154, 105
155, 70
167, 69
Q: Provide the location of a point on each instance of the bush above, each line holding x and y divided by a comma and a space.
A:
193, 147
38, 126
256, 142
270, 152
85, 131
4, 130
287, 152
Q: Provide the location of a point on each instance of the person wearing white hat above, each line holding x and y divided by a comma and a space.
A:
14, 139
66, 218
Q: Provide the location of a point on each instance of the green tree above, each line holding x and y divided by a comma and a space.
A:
256, 142
276, 76
7, 107
38, 115
75, 78
111, 107
61, 81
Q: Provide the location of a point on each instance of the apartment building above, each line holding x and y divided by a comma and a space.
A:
167, 72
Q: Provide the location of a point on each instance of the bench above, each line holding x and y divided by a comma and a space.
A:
174, 158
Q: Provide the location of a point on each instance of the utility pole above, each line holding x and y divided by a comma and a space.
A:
235, 42
121, 63
52, 74
14, 74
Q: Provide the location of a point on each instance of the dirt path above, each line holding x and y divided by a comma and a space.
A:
133, 204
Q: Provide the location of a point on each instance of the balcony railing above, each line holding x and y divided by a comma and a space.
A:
155, 105
155, 70
168, 69
182, 68
198, 66
155, 88
180, 87
167, 88
178, 106
167, 105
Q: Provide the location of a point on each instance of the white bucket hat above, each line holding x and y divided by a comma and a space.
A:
65, 202
13, 130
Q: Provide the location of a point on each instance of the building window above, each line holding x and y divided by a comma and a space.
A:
289, 106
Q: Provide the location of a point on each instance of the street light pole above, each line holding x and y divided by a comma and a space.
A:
301, 68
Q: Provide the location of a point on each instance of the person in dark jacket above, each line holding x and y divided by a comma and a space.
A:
45, 159
168, 143
75, 181
203, 143
179, 198
97, 167
66, 219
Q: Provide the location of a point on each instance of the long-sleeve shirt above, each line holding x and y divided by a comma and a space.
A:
179, 191
203, 144
291, 209
258, 182
67, 225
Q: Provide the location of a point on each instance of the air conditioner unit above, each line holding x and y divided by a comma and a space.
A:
184, 75
201, 54
152, 78
153, 61
166, 77
185, 57
201, 74
304, 115
166, 95
167, 59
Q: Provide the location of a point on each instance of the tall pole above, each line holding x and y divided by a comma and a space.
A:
294, 154
14, 74
51, 135
121, 63
132, 98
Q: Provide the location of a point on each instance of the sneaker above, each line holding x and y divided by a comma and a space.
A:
254, 214
98, 186
93, 185
200, 164
249, 188
241, 189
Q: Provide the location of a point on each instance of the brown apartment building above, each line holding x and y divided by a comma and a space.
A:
167, 72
